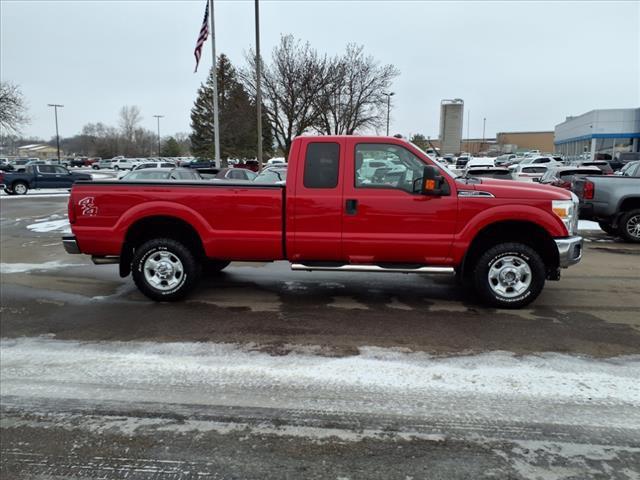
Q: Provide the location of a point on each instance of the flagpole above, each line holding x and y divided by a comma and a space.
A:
258, 89
216, 129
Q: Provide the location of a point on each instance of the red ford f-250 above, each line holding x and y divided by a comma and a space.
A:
366, 204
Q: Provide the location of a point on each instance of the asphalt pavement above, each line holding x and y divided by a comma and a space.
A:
268, 373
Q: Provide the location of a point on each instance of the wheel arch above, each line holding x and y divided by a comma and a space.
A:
158, 226
519, 231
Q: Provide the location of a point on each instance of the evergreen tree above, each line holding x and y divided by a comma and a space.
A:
171, 148
238, 129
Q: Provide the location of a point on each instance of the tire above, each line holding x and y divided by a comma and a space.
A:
629, 226
175, 257
504, 261
116, 168
608, 228
212, 267
20, 188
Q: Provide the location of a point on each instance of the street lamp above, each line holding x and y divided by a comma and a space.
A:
55, 108
159, 117
389, 95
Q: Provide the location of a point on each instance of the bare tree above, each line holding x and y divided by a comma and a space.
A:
352, 98
291, 85
130, 118
13, 108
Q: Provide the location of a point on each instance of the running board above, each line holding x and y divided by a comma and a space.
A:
372, 268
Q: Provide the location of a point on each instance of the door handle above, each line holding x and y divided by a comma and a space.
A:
351, 206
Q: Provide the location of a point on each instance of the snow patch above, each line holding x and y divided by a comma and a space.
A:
50, 226
588, 226
28, 267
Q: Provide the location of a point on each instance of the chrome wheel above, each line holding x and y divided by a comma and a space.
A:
20, 188
509, 276
163, 270
633, 226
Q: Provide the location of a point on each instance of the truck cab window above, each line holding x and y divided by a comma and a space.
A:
379, 165
321, 165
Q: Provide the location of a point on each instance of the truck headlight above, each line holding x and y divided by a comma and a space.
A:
567, 210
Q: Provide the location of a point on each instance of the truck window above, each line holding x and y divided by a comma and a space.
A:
401, 168
46, 169
321, 165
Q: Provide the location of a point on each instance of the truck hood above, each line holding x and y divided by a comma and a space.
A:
514, 189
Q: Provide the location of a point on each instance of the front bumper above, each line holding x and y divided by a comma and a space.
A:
569, 250
70, 244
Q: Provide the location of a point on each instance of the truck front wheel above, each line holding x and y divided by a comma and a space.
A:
165, 270
509, 275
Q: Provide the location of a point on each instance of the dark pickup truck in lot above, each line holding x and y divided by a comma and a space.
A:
613, 201
503, 237
39, 176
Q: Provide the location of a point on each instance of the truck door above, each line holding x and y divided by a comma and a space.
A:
45, 176
315, 206
384, 221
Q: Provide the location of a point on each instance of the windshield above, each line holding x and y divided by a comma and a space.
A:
441, 165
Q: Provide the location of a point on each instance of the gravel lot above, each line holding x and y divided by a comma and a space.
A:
268, 373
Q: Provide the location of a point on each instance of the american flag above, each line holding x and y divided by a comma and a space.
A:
202, 37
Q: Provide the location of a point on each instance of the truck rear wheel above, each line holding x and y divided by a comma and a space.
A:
165, 270
629, 226
20, 188
509, 275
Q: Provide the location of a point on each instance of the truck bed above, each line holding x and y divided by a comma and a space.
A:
239, 220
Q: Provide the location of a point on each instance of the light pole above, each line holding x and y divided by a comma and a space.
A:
55, 108
159, 117
258, 90
389, 95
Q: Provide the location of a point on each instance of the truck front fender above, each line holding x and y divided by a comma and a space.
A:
505, 214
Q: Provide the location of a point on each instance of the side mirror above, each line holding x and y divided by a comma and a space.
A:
432, 182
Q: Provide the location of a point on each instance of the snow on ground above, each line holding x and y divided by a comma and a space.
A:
44, 192
54, 223
29, 364
588, 226
28, 267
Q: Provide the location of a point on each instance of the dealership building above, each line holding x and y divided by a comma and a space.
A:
603, 132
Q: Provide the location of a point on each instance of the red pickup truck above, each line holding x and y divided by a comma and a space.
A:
350, 203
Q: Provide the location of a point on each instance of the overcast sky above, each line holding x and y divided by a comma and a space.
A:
523, 66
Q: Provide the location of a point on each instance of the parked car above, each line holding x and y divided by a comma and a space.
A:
613, 201
276, 161
500, 173
527, 172
461, 162
603, 165
503, 160
623, 158
40, 176
235, 174
631, 169
563, 176
538, 160
272, 175
505, 238
249, 165
480, 162
105, 163
7, 167
124, 163
175, 173
159, 164
200, 163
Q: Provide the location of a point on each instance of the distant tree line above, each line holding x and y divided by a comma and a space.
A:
302, 91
